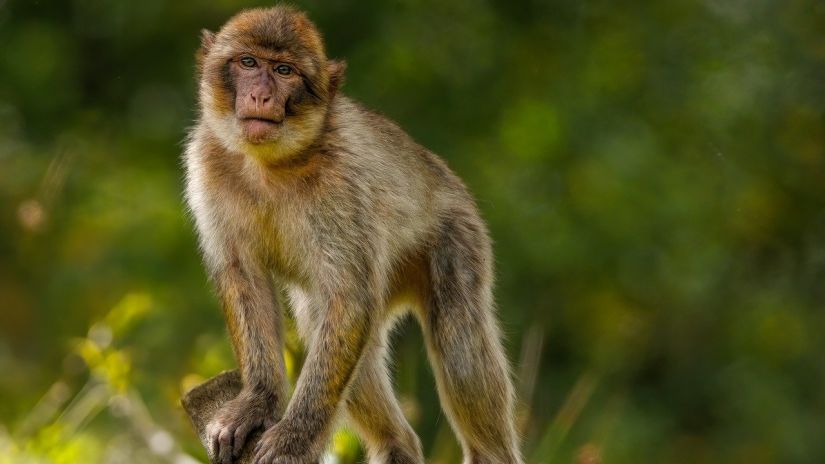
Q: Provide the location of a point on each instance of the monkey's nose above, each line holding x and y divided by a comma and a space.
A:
260, 98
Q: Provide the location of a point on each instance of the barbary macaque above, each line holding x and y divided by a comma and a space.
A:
296, 188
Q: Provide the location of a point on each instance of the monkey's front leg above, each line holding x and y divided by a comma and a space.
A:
336, 347
255, 327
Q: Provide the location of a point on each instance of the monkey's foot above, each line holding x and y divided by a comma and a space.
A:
229, 419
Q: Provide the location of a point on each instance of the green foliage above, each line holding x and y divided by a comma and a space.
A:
652, 172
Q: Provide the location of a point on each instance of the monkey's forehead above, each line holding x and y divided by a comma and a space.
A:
279, 28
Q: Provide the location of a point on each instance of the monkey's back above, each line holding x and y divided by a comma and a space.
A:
417, 196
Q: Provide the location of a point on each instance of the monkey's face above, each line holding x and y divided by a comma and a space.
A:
265, 91
265, 82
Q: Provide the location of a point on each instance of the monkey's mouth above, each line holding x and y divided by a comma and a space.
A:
258, 129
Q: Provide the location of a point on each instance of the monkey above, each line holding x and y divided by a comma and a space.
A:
297, 190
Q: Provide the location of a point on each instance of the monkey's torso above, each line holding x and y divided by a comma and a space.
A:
363, 203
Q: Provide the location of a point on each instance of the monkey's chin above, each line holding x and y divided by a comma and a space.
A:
292, 136
260, 131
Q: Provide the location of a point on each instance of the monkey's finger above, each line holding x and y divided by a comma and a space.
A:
225, 442
240, 437
260, 454
214, 447
262, 458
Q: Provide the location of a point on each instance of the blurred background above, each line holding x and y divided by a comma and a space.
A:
653, 174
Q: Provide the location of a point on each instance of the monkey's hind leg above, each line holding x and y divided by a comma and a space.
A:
464, 346
376, 414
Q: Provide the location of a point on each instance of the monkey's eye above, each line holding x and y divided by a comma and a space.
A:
248, 62
283, 69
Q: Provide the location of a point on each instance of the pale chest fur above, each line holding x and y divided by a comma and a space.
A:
279, 234
250, 216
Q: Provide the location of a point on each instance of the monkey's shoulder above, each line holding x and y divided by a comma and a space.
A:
372, 141
351, 120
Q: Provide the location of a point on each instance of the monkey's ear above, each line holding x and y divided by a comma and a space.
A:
336, 69
207, 39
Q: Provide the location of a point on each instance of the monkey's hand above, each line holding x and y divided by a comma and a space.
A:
281, 444
227, 432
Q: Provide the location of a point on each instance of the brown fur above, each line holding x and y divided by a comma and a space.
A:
358, 224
